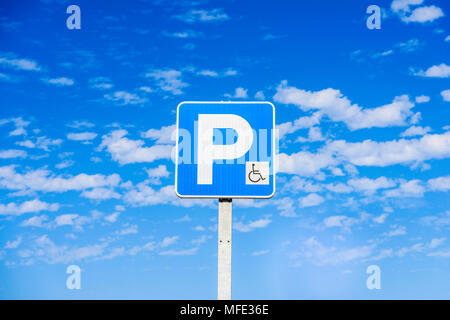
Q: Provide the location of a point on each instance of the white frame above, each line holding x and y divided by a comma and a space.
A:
226, 196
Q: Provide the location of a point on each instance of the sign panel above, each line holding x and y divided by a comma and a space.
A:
225, 150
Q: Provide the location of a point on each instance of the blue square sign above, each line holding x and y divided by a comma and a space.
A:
225, 150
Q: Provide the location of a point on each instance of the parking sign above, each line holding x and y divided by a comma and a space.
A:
225, 150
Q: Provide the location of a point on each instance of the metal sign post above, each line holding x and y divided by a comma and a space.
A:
224, 250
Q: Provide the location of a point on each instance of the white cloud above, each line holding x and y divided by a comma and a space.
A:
143, 195
260, 253
46, 250
63, 81
102, 83
125, 151
82, 136
403, 5
214, 74
298, 184
300, 123
70, 219
384, 253
305, 163
125, 98
442, 254
19, 124
195, 15
36, 221
437, 221
239, 93
35, 205
311, 200
8, 78
201, 240
158, 172
80, 124
260, 95
398, 231
100, 194
165, 135
208, 73
114, 252
383, 54
339, 188
168, 80
424, 14
438, 71
43, 143
19, 64
230, 72
421, 14
185, 218
167, 241
446, 95
132, 229
337, 107
334, 221
422, 99
381, 218
13, 244
415, 131
345, 222
186, 252
372, 153
367, 153
439, 184
155, 174
149, 246
44, 180
252, 225
183, 34
112, 217
146, 89
436, 242
286, 207
318, 254
250, 203
64, 164
411, 188
65, 219
418, 247
314, 134
12, 153
410, 45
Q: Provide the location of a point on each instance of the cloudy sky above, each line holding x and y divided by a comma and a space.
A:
86, 122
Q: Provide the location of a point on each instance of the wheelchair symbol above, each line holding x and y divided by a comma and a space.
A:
254, 175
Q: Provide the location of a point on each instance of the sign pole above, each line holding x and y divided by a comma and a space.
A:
224, 250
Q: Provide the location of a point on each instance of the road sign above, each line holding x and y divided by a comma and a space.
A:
225, 150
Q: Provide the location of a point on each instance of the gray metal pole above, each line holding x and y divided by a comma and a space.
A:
224, 250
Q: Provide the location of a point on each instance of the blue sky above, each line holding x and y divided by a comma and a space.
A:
86, 121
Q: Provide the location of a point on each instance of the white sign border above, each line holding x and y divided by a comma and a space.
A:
274, 156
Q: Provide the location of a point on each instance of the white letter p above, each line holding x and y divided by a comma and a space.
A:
207, 151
